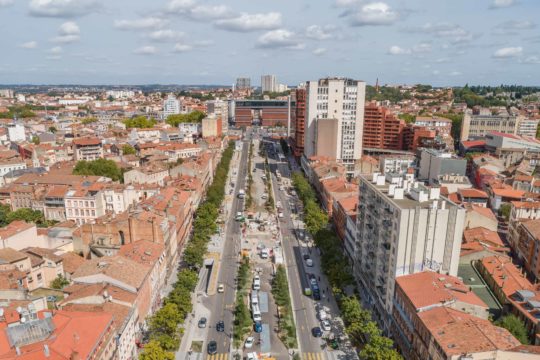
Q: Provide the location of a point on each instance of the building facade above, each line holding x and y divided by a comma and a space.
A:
403, 228
268, 83
341, 99
171, 106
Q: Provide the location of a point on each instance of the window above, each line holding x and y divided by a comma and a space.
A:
39, 277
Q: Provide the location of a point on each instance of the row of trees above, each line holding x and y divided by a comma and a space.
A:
99, 167
242, 318
163, 325
140, 122
280, 291
249, 198
193, 117
270, 200
359, 325
314, 217
204, 224
25, 214
18, 111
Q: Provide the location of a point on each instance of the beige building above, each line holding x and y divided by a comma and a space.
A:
211, 126
88, 149
327, 137
478, 125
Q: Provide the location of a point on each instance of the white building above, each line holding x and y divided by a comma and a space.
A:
527, 127
16, 132
435, 163
221, 109
6, 93
268, 83
403, 228
171, 106
342, 100
120, 94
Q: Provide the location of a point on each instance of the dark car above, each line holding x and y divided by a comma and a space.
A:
212, 348
220, 326
316, 332
306, 256
257, 327
202, 322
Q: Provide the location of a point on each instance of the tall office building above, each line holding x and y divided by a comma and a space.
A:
243, 83
171, 106
268, 83
403, 227
338, 99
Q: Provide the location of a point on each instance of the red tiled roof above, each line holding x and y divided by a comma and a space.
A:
472, 193
484, 235
86, 141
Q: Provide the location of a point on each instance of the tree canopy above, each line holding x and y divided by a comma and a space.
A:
99, 167
128, 150
140, 122
18, 111
193, 117
516, 327
25, 214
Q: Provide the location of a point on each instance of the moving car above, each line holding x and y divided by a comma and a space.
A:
249, 342
316, 332
256, 283
309, 262
221, 288
220, 326
211, 348
202, 322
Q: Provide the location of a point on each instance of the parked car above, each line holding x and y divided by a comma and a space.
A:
325, 324
316, 331
256, 283
221, 288
249, 342
257, 327
251, 356
309, 262
322, 315
202, 322
211, 348
220, 326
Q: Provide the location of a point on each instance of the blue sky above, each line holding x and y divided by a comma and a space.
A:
441, 42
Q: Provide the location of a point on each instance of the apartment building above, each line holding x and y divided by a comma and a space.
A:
243, 83
337, 99
269, 83
87, 149
171, 106
84, 205
382, 129
300, 110
476, 125
423, 292
434, 163
403, 228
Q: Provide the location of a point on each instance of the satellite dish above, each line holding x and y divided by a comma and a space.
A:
23, 320
19, 309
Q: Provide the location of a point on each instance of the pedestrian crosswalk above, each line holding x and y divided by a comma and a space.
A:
221, 356
312, 356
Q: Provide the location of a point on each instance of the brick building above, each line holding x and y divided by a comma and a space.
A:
382, 129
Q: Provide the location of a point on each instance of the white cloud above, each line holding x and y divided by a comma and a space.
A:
497, 4
533, 59
203, 12
421, 48
180, 6
455, 33
279, 38
396, 50
63, 8
67, 33
29, 45
53, 57
6, 3
508, 52
317, 32
180, 48
346, 3
141, 24
518, 25
166, 35
319, 51
146, 50
375, 13
455, 73
56, 50
251, 22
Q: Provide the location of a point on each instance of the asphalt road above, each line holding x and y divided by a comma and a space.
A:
303, 306
222, 305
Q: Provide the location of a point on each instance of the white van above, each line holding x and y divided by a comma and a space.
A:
254, 298
256, 313
256, 283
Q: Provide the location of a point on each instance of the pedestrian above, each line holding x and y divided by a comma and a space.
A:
319, 278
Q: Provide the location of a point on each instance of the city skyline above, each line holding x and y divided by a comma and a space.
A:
444, 43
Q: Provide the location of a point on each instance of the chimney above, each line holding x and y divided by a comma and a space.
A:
46, 351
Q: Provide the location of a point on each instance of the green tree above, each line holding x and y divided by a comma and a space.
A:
166, 320
60, 282
110, 98
35, 140
140, 122
409, 118
128, 150
99, 167
504, 211
193, 117
88, 120
516, 327
52, 129
153, 351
